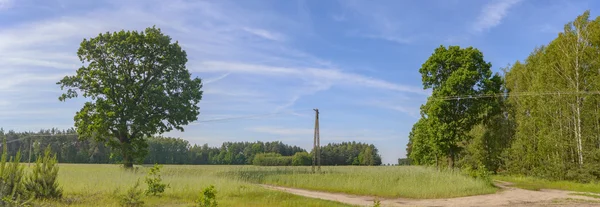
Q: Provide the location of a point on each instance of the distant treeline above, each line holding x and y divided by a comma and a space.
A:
168, 150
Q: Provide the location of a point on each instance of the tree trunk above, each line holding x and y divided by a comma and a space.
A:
126, 152
451, 159
578, 100
579, 145
127, 161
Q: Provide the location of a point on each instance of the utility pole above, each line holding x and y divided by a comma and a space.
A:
30, 145
317, 144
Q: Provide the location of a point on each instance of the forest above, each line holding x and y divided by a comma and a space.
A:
540, 118
168, 150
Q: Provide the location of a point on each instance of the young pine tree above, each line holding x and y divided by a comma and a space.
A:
43, 179
12, 190
154, 181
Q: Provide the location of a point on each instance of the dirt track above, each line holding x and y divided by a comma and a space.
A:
507, 196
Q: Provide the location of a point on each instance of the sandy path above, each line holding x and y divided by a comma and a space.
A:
507, 196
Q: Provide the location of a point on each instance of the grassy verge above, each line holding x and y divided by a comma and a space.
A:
390, 181
532, 183
97, 185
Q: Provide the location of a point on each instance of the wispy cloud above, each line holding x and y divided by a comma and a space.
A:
391, 38
212, 80
265, 34
325, 75
281, 131
399, 106
492, 14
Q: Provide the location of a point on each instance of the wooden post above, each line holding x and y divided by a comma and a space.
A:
316, 144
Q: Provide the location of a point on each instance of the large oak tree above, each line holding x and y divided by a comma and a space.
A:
137, 85
458, 77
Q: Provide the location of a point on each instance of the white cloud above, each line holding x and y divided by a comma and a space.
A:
324, 75
212, 80
392, 38
265, 34
399, 106
282, 131
492, 14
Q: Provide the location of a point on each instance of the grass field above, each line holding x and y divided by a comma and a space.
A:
532, 183
383, 181
98, 185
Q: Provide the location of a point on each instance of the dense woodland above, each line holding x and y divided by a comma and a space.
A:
541, 119
168, 150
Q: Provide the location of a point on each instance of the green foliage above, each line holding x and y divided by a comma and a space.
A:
272, 159
557, 130
480, 172
42, 181
133, 196
376, 203
449, 72
208, 198
143, 89
170, 150
404, 161
349, 153
301, 159
154, 181
12, 188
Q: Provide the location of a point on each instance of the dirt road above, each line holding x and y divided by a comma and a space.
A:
507, 196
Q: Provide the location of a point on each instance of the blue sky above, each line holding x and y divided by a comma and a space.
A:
357, 61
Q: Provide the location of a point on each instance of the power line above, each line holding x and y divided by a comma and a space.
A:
515, 94
249, 116
203, 121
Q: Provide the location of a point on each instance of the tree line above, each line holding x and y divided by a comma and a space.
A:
540, 118
168, 150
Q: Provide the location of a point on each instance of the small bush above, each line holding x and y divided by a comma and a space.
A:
376, 203
43, 182
301, 159
154, 181
12, 188
480, 173
272, 159
208, 198
133, 197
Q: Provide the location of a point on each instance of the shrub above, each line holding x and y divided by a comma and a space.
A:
43, 182
154, 181
376, 203
480, 172
12, 188
133, 197
301, 159
208, 198
272, 159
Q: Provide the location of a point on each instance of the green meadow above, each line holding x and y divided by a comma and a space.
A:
101, 184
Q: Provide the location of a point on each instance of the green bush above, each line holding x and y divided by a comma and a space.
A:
272, 159
154, 181
133, 197
301, 159
12, 188
376, 203
43, 181
208, 198
481, 172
